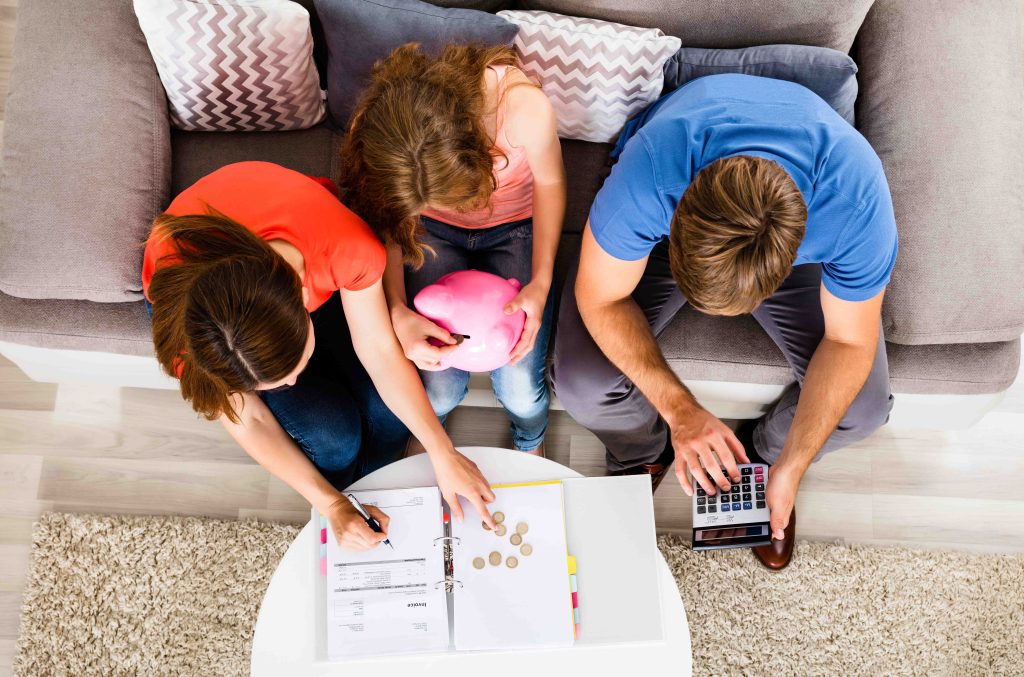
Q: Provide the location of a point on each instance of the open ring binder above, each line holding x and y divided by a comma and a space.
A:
448, 540
449, 584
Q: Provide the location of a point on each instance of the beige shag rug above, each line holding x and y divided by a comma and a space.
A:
179, 596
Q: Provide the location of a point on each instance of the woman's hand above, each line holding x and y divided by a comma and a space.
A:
413, 331
350, 529
531, 299
459, 476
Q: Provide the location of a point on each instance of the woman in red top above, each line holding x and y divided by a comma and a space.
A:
267, 305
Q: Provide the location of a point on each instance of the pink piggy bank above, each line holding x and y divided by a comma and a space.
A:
472, 303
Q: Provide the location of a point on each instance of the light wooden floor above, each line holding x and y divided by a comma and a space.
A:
89, 449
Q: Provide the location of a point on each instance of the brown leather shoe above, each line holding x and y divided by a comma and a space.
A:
777, 555
656, 470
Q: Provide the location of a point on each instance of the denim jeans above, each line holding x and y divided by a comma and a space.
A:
521, 388
334, 412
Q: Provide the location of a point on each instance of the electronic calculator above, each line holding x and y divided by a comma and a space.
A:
733, 519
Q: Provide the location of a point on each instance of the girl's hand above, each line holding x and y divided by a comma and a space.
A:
350, 529
413, 330
459, 476
531, 299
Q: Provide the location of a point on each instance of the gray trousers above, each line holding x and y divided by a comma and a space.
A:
602, 399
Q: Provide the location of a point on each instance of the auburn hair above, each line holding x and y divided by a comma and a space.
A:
228, 313
417, 138
735, 234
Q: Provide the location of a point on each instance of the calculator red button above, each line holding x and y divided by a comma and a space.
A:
759, 478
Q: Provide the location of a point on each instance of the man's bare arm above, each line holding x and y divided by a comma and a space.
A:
836, 373
604, 288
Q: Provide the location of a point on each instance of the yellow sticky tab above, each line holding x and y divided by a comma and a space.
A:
572, 565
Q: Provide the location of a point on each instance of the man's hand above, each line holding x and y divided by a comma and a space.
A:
459, 476
783, 482
414, 331
351, 530
698, 437
531, 299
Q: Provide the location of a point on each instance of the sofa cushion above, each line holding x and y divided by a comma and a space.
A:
64, 324
597, 74
587, 165
702, 347
229, 66
360, 32
944, 116
311, 151
86, 157
829, 73
729, 23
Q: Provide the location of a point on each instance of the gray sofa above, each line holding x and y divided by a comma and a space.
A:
89, 159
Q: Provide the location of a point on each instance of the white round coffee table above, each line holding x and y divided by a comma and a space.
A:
283, 640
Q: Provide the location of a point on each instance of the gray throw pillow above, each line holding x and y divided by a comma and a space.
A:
830, 74
360, 32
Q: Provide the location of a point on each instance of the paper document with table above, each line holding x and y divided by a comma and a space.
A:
461, 586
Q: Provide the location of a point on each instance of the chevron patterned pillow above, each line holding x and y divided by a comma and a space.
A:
597, 73
234, 65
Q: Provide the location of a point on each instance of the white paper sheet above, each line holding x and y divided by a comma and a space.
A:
385, 601
529, 606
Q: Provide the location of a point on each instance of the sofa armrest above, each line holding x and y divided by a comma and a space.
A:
86, 157
942, 93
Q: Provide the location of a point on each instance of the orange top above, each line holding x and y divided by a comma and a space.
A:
339, 249
512, 200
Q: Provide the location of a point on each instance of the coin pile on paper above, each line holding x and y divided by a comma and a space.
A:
516, 539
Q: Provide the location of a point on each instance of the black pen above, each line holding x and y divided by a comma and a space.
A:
370, 522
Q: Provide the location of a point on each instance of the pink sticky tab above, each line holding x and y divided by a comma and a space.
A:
577, 633
323, 566
575, 600
323, 535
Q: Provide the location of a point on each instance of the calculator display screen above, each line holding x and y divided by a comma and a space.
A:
731, 533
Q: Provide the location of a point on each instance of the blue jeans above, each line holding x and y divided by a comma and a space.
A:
333, 412
521, 388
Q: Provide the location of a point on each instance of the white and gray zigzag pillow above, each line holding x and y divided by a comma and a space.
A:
597, 74
234, 65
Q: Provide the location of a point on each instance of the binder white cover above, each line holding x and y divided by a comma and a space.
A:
610, 531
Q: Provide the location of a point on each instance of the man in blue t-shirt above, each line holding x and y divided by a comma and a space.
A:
736, 194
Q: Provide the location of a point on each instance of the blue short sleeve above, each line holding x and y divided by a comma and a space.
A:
628, 216
862, 262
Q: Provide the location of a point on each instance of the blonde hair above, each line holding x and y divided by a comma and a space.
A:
417, 138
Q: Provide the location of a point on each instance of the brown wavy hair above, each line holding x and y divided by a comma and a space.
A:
735, 233
416, 137
228, 313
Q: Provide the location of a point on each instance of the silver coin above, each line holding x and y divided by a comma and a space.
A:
494, 558
500, 530
522, 527
515, 539
499, 517
526, 550
511, 562
479, 563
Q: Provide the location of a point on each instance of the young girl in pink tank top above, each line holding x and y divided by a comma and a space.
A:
455, 162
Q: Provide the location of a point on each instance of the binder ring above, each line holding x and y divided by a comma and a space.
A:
448, 540
449, 583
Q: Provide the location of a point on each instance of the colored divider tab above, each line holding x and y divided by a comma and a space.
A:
323, 535
323, 566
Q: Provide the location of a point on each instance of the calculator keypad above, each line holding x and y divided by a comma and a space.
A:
748, 493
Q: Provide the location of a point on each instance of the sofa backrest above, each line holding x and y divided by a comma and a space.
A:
729, 23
